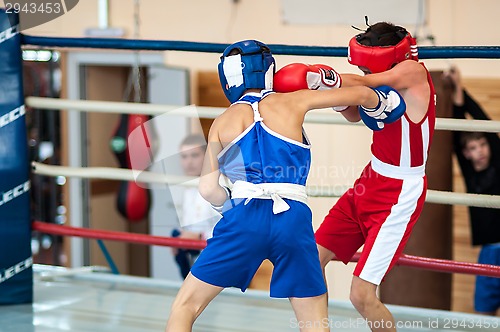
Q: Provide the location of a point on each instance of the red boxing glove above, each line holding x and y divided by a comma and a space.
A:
298, 76
291, 78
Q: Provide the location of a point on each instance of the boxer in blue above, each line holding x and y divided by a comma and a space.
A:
260, 145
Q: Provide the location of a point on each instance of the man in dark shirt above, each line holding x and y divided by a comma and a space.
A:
478, 155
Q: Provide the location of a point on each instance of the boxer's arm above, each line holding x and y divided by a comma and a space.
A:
351, 96
404, 75
209, 186
377, 105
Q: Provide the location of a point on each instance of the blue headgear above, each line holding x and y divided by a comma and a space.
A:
253, 68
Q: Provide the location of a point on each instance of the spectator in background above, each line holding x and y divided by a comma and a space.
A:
478, 155
197, 217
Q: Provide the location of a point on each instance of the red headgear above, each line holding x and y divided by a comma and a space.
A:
381, 58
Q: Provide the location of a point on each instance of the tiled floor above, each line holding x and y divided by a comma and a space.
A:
96, 301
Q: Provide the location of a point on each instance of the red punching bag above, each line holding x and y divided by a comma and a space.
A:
133, 201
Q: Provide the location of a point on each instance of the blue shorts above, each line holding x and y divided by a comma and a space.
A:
487, 296
248, 234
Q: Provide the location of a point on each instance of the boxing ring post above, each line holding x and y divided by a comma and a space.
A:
16, 274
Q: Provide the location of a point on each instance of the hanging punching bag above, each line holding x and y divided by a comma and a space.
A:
133, 201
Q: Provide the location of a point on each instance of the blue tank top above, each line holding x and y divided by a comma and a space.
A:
260, 155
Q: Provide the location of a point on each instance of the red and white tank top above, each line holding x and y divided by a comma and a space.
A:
405, 143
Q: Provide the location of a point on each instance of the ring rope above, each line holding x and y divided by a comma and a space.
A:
426, 52
438, 265
323, 116
175, 242
110, 173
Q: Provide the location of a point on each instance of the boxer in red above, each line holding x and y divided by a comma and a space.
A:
381, 208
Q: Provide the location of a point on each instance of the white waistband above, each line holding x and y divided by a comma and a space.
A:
396, 172
274, 191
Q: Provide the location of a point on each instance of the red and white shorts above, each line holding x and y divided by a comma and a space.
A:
378, 212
